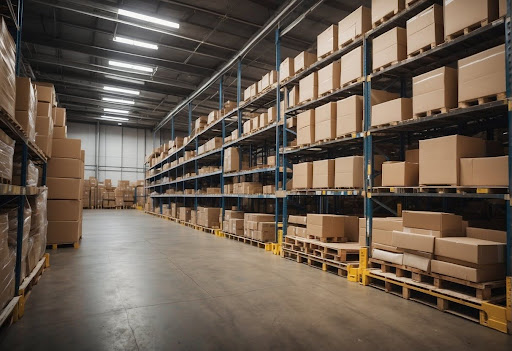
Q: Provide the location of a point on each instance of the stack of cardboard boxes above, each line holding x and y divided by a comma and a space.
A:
297, 226
208, 217
343, 172
27, 108
260, 226
339, 228
233, 222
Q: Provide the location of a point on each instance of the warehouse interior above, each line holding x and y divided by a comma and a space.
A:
299, 174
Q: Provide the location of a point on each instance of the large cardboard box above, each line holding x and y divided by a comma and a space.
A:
25, 94
44, 109
67, 148
325, 122
326, 226
400, 173
484, 171
306, 127
327, 41
303, 61
483, 273
470, 250
286, 69
64, 188
458, 15
60, 117
487, 234
323, 174
64, 210
45, 144
65, 168
392, 111
482, 74
44, 126
410, 241
425, 28
380, 96
354, 25
303, 175
45, 92
27, 121
231, 160
440, 158
434, 90
390, 47
329, 78
348, 172
351, 66
440, 224
383, 8
63, 232
412, 155
349, 115
308, 87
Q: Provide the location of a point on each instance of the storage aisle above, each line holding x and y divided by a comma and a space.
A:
141, 283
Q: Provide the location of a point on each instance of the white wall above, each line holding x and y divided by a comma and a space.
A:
121, 151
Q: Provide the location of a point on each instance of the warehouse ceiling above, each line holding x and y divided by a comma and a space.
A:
78, 45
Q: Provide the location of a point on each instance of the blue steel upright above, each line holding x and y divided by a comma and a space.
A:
368, 152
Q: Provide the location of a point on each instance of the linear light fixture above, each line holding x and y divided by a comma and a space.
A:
147, 18
114, 110
131, 66
127, 80
121, 90
134, 42
112, 118
119, 101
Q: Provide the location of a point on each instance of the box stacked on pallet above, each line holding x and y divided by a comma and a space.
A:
333, 228
297, 226
184, 213
7, 262
86, 194
27, 110
38, 228
13, 234
45, 118
260, 226
6, 157
233, 222
7, 67
208, 217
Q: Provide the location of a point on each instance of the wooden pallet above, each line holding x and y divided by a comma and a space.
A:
30, 281
384, 125
338, 268
338, 252
325, 55
75, 245
250, 241
482, 100
466, 30
422, 50
431, 112
350, 41
305, 102
385, 18
10, 313
440, 189
353, 81
5, 181
330, 91
411, 3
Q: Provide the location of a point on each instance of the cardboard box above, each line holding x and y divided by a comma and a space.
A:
45, 92
502, 5
392, 111
329, 78
412, 156
323, 174
67, 148
60, 117
306, 127
484, 171
442, 224
64, 188
348, 172
308, 87
487, 234
458, 15
380, 96
440, 158
293, 96
396, 258
354, 25
388, 223
400, 174
25, 94
231, 160
349, 115
425, 28
44, 126
63, 232
327, 41
482, 274
471, 250
434, 90
390, 47
65, 168
45, 144
482, 74
381, 236
303, 61
351, 66
286, 69
326, 226
44, 109
417, 261
325, 122
303, 175
27, 120
300, 220
64, 210
383, 8
416, 242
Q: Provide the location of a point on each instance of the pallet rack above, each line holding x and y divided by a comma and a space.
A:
374, 200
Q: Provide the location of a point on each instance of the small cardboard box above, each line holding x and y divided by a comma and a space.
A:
325, 122
396, 258
482, 74
487, 234
303, 61
484, 171
354, 25
400, 174
477, 275
64, 210
349, 115
231, 160
348, 172
64, 188
416, 242
323, 174
303, 175
458, 15
63, 232
351, 66
65, 168
440, 158
329, 78
327, 41
67, 148
392, 111
60, 117
45, 92
286, 69
434, 90
442, 224
306, 127
390, 47
308, 87
44, 126
425, 28
326, 226
382, 8
293, 96
44, 109
471, 250
263, 122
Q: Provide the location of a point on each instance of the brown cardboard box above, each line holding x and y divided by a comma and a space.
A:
63, 232
382, 8
434, 90
64, 188
470, 250
442, 224
440, 158
64, 210
231, 159
348, 172
303, 61
484, 171
67, 148
303, 175
60, 117
416, 242
306, 127
389, 47
27, 120
326, 226
45, 92
380, 96
308, 87
325, 122
44, 126
323, 174
391, 111
329, 78
417, 261
349, 115
502, 8
388, 223
487, 234
400, 174
425, 28
300, 220
327, 41
44, 109
286, 69
25, 97
412, 156
482, 274
351, 66
381, 236
482, 74
354, 25
65, 168
396, 258
45, 144
263, 119
458, 15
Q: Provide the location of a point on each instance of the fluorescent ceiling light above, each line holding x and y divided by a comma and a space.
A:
148, 18
112, 118
131, 66
119, 101
121, 90
128, 80
114, 110
134, 42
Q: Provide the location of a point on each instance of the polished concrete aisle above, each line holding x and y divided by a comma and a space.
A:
144, 283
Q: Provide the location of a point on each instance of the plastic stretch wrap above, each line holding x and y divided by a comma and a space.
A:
7, 71
38, 227
6, 156
13, 233
32, 173
7, 262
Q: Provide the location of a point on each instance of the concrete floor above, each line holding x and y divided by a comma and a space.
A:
143, 283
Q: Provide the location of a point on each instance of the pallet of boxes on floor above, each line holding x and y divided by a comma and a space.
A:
102, 195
